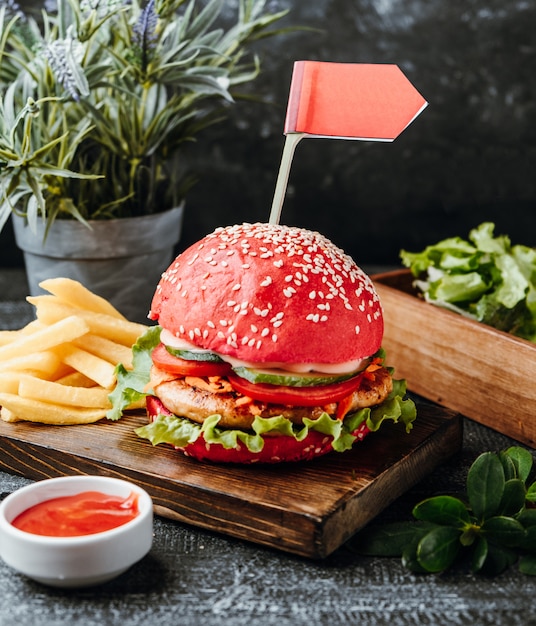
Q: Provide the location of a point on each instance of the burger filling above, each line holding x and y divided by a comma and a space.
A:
225, 401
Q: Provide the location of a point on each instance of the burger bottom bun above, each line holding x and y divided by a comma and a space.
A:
276, 449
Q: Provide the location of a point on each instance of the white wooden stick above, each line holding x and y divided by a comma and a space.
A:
291, 141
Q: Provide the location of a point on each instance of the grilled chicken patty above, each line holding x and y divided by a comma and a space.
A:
190, 397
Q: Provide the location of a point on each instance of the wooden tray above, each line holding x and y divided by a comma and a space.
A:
464, 365
307, 508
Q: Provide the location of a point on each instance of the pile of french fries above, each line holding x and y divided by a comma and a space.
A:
59, 368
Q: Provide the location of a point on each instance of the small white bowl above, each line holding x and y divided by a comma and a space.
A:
79, 561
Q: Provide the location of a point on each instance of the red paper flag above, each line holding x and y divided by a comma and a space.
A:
351, 101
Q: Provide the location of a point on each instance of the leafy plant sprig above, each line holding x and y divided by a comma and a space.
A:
115, 90
492, 527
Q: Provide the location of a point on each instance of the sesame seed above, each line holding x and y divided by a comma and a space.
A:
357, 329
274, 338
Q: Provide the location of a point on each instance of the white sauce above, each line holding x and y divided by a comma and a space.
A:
167, 338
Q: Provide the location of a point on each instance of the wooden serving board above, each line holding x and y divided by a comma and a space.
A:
308, 509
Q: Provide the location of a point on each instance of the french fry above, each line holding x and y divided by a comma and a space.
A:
106, 349
46, 362
8, 336
99, 370
76, 379
56, 393
75, 294
8, 416
9, 383
61, 331
50, 310
31, 410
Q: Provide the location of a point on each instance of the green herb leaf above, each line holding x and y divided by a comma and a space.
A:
389, 539
531, 493
485, 485
480, 554
443, 510
497, 560
527, 565
522, 460
506, 531
438, 549
513, 499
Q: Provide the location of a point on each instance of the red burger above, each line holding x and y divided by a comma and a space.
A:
267, 349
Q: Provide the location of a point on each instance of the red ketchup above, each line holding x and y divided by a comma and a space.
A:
85, 513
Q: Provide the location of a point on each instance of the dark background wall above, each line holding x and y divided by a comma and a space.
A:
469, 157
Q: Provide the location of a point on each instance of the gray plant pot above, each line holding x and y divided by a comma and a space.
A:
121, 260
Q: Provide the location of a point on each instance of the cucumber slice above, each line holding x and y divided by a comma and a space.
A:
194, 355
289, 379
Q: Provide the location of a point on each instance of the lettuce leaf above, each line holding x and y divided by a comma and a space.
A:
132, 384
179, 432
485, 278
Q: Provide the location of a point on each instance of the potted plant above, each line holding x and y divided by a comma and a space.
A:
97, 100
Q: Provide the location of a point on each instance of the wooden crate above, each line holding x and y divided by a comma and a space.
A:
483, 373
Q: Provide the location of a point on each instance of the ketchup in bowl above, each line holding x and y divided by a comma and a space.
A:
84, 513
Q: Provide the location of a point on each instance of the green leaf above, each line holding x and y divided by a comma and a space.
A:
527, 565
513, 499
530, 496
480, 554
132, 385
506, 531
438, 549
410, 558
529, 541
509, 467
443, 510
389, 539
497, 560
527, 517
522, 460
485, 485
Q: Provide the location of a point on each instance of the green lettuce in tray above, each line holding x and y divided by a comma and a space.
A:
485, 278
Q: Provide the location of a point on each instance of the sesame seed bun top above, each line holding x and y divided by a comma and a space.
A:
270, 293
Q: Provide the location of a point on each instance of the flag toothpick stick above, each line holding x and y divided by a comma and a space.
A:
362, 101
291, 141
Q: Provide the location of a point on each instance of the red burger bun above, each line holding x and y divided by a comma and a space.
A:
270, 293
276, 449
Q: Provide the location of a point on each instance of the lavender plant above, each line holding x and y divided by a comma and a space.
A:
110, 91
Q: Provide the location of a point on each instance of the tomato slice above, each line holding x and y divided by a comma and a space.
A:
295, 396
175, 365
